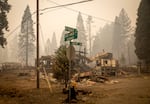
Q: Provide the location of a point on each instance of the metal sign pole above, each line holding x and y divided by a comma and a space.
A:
69, 74
73, 34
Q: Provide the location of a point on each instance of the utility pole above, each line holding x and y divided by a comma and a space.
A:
37, 44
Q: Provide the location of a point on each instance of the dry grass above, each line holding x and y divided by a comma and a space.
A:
16, 89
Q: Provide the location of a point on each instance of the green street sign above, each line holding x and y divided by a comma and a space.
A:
72, 33
76, 43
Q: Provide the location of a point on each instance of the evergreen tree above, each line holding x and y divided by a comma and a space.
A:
5, 7
81, 30
103, 39
122, 31
48, 47
62, 42
26, 39
54, 43
96, 43
89, 21
132, 58
142, 33
61, 65
116, 39
106, 38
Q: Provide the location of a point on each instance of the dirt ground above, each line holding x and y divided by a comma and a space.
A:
131, 89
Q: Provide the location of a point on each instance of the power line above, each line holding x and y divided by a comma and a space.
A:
49, 11
9, 34
20, 25
45, 12
99, 18
13, 31
66, 5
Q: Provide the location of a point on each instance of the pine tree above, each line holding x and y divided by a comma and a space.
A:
26, 39
89, 21
142, 33
132, 58
61, 65
103, 39
116, 39
96, 43
106, 38
48, 47
5, 8
54, 43
62, 42
81, 30
122, 31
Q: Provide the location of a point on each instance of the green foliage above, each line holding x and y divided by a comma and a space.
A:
61, 65
142, 34
5, 7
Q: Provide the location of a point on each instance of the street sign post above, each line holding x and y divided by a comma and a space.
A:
72, 33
